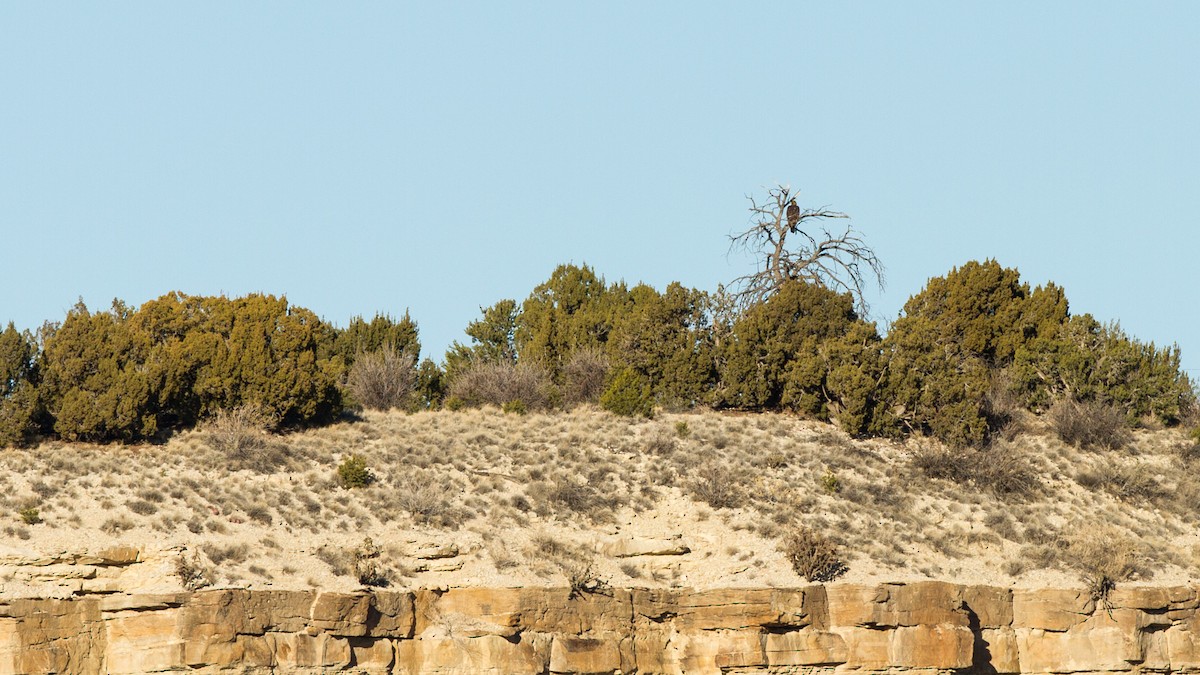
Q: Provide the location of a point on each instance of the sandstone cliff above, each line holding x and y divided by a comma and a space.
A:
919, 627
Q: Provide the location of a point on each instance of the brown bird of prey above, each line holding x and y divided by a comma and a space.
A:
793, 214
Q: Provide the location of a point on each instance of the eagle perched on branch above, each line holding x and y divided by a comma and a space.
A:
793, 214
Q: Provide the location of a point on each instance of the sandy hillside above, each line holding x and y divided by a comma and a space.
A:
485, 498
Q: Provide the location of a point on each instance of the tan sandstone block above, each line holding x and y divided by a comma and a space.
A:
991, 605
1094, 649
853, 605
144, 641
584, 655
45, 636
392, 615
865, 647
485, 655
245, 652
506, 611
119, 555
924, 603
998, 647
1183, 647
805, 648
297, 650
1051, 609
629, 547
887, 605
493, 611
372, 655
715, 651
931, 646
341, 614
690, 610
1156, 599
142, 601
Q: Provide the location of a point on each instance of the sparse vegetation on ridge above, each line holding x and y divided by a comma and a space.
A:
980, 435
733, 486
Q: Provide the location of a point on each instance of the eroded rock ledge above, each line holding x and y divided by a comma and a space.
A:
930, 626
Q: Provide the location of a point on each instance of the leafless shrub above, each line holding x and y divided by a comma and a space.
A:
813, 556
141, 507
367, 566
816, 255
582, 576
383, 380
1189, 451
717, 485
576, 563
584, 375
500, 383
1089, 424
1003, 406
502, 558
117, 524
420, 494
425, 496
1186, 498
193, 573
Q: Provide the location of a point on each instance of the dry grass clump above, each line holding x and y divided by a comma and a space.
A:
573, 494
228, 553
1189, 451
1104, 557
1002, 469
1125, 480
813, 556
1089, 424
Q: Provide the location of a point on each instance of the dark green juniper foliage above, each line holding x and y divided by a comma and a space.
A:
968, 350
629, 395
952, 335
128, 374
804, 349
19, 406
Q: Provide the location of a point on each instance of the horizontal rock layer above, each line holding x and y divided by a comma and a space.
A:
922, 627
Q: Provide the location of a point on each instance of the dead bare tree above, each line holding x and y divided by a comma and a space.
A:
841, 262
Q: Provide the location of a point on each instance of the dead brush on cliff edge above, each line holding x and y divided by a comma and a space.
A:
1103, 557
812, 555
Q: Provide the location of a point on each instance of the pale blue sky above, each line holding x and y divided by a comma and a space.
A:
363, 157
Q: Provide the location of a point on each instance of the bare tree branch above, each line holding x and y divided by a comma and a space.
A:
842, 262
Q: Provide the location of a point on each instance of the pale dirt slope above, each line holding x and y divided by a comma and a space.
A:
483, 498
